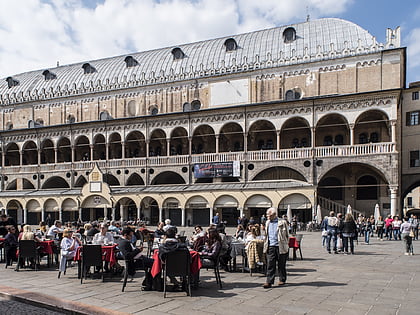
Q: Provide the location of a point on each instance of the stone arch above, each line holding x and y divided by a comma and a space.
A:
179, 141
55, 182
47, 152
63, 150
203, 140
332, 129
80, 182
375, 125
30, 153
262, 135
300, 206
167, 178
135, 144
295, 133
99, 147
231, 138
135, 180
157, 145
12, 154
115, 146
279, 173
111, 180
149, 210
82, 149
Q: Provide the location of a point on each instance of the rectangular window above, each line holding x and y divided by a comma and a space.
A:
415, 95
414, 158
412, 118
409, 201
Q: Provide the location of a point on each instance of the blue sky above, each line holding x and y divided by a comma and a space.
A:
35, 34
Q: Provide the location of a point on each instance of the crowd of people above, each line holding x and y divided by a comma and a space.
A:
341, 233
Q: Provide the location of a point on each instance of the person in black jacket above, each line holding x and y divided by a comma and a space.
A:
348, 229
132, 253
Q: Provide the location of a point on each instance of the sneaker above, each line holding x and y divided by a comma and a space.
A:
411, 254
406, 254
267, 285
346, 253
259, 263
281, 283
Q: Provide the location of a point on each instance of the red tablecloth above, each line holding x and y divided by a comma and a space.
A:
2, 239
194, 268
46, 247
108, 253
293, 243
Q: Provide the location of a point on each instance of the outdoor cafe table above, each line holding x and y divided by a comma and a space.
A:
194, 267
108, 255
47, 247
237, 249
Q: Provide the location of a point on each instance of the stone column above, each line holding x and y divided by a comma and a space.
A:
245, 142
21, 157
351, 126
43, 214
313, 129
72, 153
393, 131
278, 140
113, 214
80, 213
121, 213
105, 213
138, 212
160, 214
60, 214
147, 148
3, 158
241, 212
38, 151
123, 149
55, 156
182, 216
168, 147
217, 143
25, 216
211, 215
394, 191
91, 146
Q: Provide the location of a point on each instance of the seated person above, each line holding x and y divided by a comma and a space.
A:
169, 225
55, 229
212, 248
133, 255
27, 234
69, 245
159, 232
239, 234
10, 245
103, 237
92, 231
114, 227
198, 232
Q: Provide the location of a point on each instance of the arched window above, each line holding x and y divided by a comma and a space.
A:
71, 119
289, 35
328, 140
186, 107
11, 82
374, 137
294, 94
9, 126
154, 110
363, 138
195, 105
339, 140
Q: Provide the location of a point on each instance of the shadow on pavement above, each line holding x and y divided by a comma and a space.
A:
316, 284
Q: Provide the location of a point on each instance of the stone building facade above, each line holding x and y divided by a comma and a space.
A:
292, 117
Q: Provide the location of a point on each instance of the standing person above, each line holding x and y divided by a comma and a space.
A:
48, 220
380, 228
415, 226
348, 229
368, 229
216, 218
10, 245
294, 224
405, 229
263, 219
276, 246
396, 225
388, 227
331, 223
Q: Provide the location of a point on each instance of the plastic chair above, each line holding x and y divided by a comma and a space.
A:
177, 264
299, 242
91, 257
27, 249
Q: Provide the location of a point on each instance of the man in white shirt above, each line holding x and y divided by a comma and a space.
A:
55, 229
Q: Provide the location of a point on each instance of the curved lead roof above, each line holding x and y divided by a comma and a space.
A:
321, 39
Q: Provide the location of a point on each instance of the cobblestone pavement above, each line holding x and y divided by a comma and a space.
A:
378, 279
18, 308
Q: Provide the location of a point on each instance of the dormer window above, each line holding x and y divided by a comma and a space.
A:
195, 105
289, 35
130, 61
294, 94
88, 68
11, 82
230, 44
48, 75
177, 53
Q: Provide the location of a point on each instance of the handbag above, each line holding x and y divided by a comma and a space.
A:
324, 233
411, 233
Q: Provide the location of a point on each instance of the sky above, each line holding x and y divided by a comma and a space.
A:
36, 34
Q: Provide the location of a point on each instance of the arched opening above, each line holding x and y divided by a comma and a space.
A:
99, 147
135, 180
332, 128
149, 211
34, 212
197, 211
262, 136
179, 141
331, 188
295, 133
135, 145
171, 209
371, 127
12, 155
26, 184
51, 209
279, 173
126, 209
47, 152
63, 150
367, 188
115, 147
231, 138
203, 140
257, 206
13, 208
80, 182
30, 153
70, 210
157, 146
82, 149
111, 180
12, 185
300, 206
55, 182
227, 207
167, 178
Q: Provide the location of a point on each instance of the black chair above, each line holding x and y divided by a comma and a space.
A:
27, 250
91, 257
215, 265
177, 264
127, 262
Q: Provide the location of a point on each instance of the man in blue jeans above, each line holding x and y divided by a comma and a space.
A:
331, 224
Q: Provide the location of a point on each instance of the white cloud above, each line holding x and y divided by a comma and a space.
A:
37, 33
413, 50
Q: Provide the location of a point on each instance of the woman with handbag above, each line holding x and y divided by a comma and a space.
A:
405, 234
348, 229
